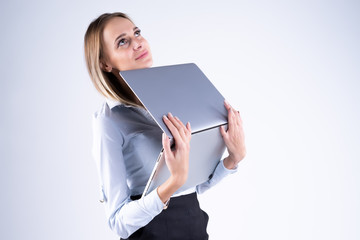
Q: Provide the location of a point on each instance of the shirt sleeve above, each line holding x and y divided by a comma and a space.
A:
124, 216
219, 173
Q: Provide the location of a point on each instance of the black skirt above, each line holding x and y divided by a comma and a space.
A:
183, 219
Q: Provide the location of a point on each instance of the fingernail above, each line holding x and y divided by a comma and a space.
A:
170, 114
163, 136
165, 117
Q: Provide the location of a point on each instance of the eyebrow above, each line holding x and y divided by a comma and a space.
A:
124, 34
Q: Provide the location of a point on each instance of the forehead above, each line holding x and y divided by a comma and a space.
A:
116, 26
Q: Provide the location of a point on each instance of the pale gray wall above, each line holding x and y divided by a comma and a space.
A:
290, 67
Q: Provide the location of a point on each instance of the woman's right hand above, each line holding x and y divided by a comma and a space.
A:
177, 159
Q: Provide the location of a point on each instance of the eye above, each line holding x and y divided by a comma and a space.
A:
137, 33
122, 42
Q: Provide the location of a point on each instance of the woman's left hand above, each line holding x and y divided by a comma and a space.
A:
234, 138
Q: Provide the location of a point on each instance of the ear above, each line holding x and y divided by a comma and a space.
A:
104, 66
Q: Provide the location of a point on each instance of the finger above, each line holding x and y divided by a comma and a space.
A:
236, 117
231, 118
176, 121
233, 115
174, 131
227, 104
188, 127
185, 131
188, 131
182, 128
222, 131
166, 145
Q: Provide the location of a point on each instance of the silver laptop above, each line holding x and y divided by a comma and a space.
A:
187, 93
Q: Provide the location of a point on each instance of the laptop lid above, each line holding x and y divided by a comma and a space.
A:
181, 89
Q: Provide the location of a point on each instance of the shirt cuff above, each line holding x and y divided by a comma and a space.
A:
153, 199
222, 171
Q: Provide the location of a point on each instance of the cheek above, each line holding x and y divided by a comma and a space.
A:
146, 44
122, 61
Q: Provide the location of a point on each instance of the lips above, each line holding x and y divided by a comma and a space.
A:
144, 54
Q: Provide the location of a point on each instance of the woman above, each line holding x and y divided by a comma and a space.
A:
127, 142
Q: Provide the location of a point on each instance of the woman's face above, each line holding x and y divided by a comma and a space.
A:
124, 47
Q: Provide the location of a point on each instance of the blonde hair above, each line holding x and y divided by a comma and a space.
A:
105, 82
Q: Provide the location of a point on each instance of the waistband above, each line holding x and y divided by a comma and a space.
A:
178, 201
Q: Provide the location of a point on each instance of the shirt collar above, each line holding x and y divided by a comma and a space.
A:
114, 103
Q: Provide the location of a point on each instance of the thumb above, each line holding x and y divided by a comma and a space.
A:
222, 131
166, 144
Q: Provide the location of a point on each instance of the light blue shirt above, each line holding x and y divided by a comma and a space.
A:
126, 144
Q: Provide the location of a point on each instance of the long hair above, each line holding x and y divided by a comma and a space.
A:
105, 82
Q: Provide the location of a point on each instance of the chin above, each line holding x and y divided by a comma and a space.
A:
139, 65
150, 63
147, 64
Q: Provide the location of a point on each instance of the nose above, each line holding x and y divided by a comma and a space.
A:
137, 44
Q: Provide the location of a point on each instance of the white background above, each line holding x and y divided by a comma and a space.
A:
290, 67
